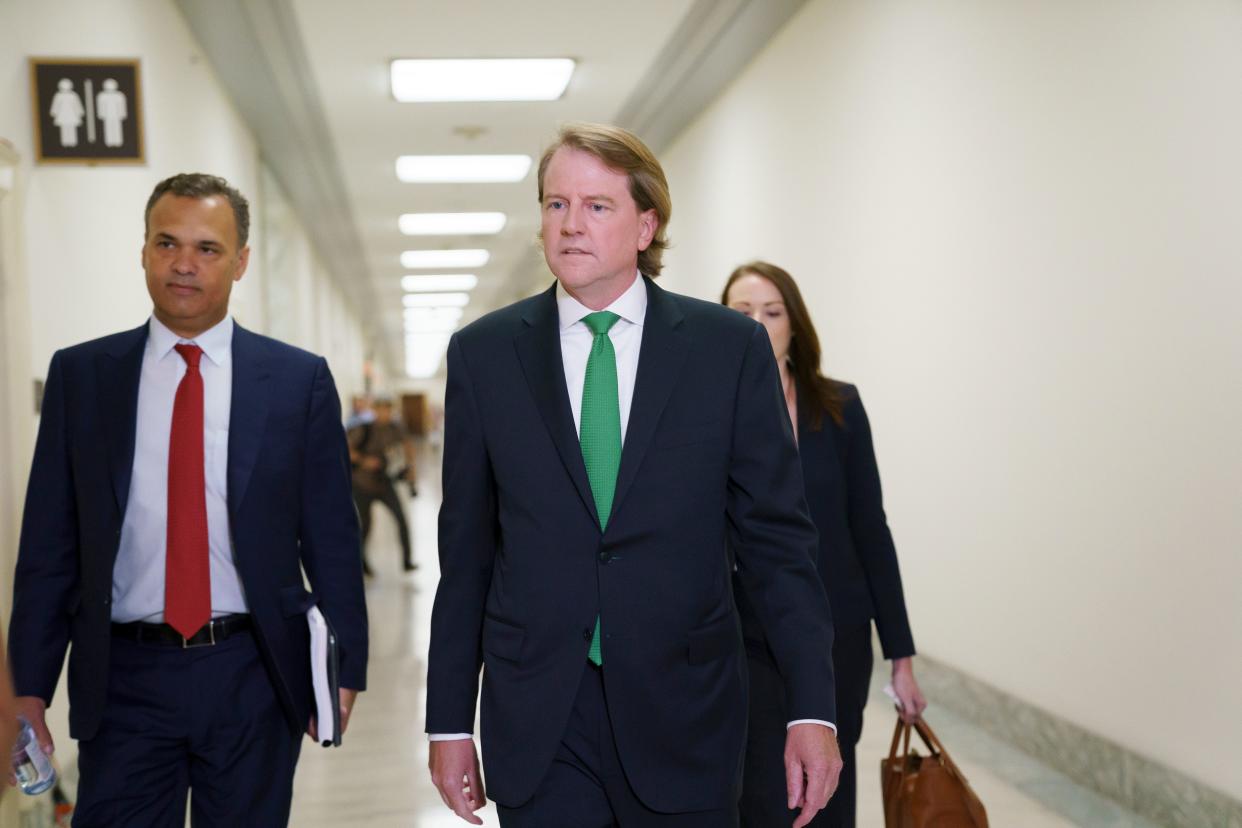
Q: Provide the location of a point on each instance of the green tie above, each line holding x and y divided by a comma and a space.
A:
600, 428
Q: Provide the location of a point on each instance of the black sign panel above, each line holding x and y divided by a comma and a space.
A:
86, 111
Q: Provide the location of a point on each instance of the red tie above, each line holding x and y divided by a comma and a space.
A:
187, 574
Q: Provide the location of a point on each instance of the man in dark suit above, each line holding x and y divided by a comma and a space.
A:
186, 473
604, 440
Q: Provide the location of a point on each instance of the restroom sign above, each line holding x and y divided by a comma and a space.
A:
86, 111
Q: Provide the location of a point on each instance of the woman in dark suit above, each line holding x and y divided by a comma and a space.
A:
857, 560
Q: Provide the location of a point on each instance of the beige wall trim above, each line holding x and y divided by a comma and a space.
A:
1143, 786
713, 44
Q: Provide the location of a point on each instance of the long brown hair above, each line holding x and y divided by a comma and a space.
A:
804, 354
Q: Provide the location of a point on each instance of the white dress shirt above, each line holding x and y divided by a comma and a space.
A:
138, 577
627, 339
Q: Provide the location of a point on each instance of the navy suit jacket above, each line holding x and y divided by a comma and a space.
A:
289, 508
856, 557
708, 457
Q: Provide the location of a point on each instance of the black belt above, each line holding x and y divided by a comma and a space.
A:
213, 632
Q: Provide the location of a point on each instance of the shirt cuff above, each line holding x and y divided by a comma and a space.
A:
812, 721
448, 737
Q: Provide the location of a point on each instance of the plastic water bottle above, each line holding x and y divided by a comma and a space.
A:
31, 765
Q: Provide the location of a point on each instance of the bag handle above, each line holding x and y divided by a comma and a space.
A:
925, 733
933, 743
902, 729
929, 738
936, 747
903, 764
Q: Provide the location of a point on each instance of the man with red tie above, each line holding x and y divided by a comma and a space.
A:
187, 474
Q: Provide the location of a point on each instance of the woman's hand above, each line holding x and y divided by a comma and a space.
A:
912, 704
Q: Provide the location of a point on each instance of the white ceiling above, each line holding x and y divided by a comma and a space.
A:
614, 45
311, 79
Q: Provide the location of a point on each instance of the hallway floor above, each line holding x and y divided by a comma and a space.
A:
379, 778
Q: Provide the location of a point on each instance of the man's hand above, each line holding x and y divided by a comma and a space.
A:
812, 769
910, 697
455, 771
31, 708
347, 699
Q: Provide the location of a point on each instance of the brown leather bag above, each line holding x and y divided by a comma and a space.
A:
926, 791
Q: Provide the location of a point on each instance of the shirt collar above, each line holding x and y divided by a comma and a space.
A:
216, 341
630, 306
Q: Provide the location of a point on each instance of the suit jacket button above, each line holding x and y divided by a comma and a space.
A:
586, 633
604, 557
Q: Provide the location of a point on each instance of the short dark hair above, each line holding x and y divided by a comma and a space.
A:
621, 150
202, 185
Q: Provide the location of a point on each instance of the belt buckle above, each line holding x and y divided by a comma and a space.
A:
211, 642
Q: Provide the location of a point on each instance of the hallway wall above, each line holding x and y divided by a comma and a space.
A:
1017, 228
304, 305
83, 225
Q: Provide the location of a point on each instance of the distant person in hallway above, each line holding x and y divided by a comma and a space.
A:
186, 474
603, 441
855, 557
360, 412
370, 444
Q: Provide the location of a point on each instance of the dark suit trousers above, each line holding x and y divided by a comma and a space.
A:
387, 494
586, 785
763, 786
204, 719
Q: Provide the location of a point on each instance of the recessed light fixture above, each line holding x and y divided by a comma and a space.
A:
439, 281
423, 259
436, 300
451, 224
462, 169
538, 79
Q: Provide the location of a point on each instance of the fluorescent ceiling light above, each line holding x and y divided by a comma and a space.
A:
432, 325
451, 224
541, 79
421, 259
452, 314
436, 300
432, 319
462, 169
439, 281
424, 352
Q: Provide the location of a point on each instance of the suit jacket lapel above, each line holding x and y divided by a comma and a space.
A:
539, 350
660, 360
120, 369
247, 411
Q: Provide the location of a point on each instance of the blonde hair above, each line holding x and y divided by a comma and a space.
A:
622, 150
